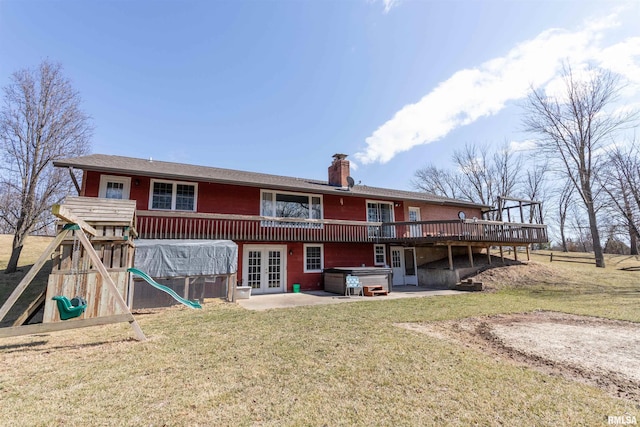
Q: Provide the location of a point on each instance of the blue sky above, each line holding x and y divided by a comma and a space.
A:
280, 86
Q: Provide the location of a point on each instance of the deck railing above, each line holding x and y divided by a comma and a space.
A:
466, 230
163, 225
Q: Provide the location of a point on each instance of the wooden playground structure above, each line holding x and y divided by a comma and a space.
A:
91, 255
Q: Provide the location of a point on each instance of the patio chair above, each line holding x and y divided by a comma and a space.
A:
353, 286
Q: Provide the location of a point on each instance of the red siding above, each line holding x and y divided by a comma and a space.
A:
228, 199
343, 207
139, 188
335, 255
432, 212
90, 183
243, 200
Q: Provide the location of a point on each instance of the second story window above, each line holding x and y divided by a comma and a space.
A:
168, 195
290, 205
114, 187
380, 212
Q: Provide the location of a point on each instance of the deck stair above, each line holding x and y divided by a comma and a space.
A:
469, 285
372, 291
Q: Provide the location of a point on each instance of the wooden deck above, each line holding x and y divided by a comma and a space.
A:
163, 225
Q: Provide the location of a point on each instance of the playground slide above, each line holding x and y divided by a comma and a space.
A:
149, 280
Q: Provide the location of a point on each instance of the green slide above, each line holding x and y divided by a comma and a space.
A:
149, 280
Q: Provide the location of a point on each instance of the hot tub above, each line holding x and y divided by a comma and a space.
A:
335, 278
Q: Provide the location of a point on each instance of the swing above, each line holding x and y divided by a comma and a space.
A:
69, 309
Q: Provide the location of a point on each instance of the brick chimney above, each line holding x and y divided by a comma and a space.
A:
339, 171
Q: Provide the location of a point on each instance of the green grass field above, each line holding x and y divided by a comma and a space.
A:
343, 364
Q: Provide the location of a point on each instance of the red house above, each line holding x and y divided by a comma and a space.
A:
289, 229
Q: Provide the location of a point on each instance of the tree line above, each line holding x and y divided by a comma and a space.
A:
584, 169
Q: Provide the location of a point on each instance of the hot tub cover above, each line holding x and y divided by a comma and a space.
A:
179, 258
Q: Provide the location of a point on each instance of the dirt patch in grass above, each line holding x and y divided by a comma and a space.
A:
599, 352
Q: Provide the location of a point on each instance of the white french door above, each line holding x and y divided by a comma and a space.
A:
403, 265
264, 268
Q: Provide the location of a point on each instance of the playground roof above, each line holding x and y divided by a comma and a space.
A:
92, 209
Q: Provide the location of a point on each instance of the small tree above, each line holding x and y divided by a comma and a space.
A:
432, 179
40, 122
564, 202
480, 176
572, 128
534, 187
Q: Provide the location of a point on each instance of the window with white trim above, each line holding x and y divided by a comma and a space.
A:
313, 258
378, 211
173, 195
114, 187
290, 205
379, 255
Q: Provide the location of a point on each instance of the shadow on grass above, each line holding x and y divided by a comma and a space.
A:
37, 346
12, 348
8, 283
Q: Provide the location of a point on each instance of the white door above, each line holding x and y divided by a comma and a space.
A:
264, 268
397, 266
380, 212
414, 216
403, 265
410, 268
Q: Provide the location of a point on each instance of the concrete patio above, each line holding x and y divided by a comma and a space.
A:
269, 301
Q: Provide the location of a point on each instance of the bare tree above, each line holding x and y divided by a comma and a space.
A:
480, 176
40, 122
477, 179
507, 166
620, 180
565, 200
534, 188
572, 129
442, 182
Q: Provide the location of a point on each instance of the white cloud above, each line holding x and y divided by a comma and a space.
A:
389, 4
623, 58
518, 146
471, 94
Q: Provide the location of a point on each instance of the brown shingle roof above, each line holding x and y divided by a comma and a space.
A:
169, 170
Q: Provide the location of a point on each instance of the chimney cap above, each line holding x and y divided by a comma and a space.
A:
339, 156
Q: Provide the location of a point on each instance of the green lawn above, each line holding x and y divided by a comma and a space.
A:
343, 364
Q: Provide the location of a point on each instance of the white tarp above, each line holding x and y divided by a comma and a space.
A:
179, 258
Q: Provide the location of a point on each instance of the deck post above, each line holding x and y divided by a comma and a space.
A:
501, 254
450, 256
521, 213
470, 251
515, 253
528, 254
489, 254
